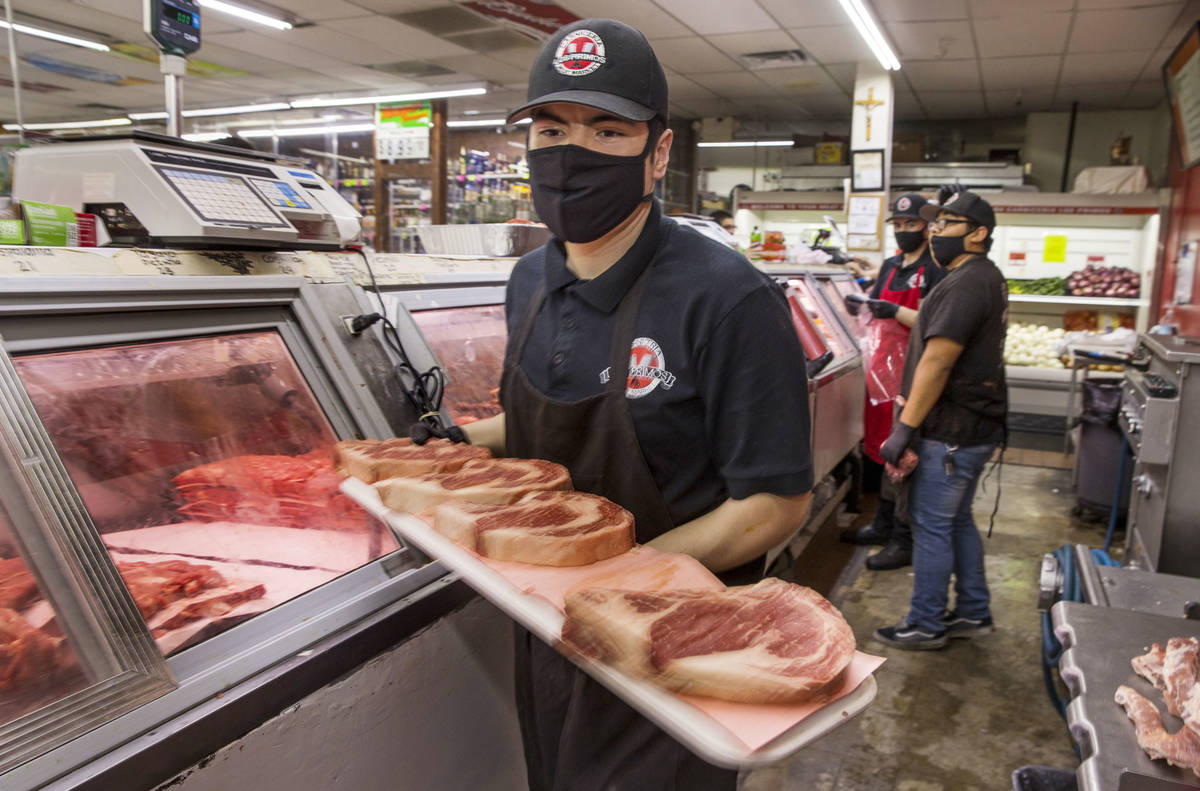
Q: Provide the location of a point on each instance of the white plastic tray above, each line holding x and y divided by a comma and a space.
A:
691, 727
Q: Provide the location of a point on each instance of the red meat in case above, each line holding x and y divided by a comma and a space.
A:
372, 460
289, 491
493, 482
18, 588
546, 528
27, 654
154, 585
773, 642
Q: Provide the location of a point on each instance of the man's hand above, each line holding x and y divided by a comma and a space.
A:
882, 309
852, 305
420, 433
897, 442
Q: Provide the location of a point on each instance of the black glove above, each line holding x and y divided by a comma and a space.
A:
897, 442
420, 433
882, 309
852, 305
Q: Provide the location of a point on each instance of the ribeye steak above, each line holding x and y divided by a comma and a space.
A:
372, 460
493, 482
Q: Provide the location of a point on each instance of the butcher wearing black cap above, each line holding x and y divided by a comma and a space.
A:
904, 280
954, 417
657, 365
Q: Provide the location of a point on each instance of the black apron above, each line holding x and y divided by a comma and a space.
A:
579, 736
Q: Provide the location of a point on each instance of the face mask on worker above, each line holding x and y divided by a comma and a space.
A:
908, 241
582, 194
946, 248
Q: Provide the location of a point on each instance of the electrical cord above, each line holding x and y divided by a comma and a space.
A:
423, 389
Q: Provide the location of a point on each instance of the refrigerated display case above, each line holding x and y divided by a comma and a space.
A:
176, 523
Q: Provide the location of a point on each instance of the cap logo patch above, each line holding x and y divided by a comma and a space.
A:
903, 204
580, 52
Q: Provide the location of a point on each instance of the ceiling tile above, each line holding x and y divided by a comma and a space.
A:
331, 43
834, 44
481, 67
82, 18
932, 40
1122, 29
843, 74
683, 89
692, 55
1146, 94
1153, 69
1120, 68
713, 17
1018, 101
321, 10
1030, 34
907, 106
942, 75
735, 84
952, 104
400, 6
403, 42
1089, 5
1095, 95
1003, 73
986, 9
800, 80
520, 58
805, 13
921, 10
650, 19
744, 43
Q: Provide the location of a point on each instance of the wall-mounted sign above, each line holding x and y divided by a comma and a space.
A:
402, 131
1185, 272
1182, 74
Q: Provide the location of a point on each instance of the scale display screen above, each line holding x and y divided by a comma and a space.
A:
218, 197
280, 193
179, 15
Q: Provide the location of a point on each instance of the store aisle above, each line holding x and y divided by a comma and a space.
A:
965, 717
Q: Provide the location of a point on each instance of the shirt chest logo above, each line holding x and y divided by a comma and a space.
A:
647, 369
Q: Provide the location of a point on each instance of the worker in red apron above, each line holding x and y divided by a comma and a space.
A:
657, 365
899, 287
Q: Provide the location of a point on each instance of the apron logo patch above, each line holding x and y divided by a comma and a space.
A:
647, 369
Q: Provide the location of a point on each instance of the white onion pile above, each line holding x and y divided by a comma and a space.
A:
1032, 344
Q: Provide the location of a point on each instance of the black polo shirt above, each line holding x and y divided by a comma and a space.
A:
721, 407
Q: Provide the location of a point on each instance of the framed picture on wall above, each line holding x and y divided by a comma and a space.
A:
866, 170
1181, 73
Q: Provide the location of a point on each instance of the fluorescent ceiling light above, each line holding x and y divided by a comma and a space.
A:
246, 14
206, 137
200, 112
71, 124
478, 122
50, 34
302, 131
402, 97
745, 144
870, 32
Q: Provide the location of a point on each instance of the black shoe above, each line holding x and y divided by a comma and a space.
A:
867, 534
957, 628
910, 638
893, 556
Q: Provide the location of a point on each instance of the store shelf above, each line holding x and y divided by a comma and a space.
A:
1104, 302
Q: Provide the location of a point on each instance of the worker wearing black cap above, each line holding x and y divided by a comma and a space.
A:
657, 365
954, 416
903, 281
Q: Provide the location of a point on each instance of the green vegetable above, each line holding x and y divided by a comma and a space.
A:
1043, 286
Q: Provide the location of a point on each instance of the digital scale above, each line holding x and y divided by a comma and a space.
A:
153, 190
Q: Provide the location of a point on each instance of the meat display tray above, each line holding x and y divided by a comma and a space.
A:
674, 714
1099, 643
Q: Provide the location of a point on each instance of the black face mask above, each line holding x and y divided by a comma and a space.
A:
582, 194
909, 240
946, 248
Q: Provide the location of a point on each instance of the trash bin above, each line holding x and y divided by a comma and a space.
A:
1043, 778
1098, 453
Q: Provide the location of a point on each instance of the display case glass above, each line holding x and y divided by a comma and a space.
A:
38, 663
205, 464
469, 342
836, 337
836, 289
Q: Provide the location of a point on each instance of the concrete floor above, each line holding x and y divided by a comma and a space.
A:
965, 717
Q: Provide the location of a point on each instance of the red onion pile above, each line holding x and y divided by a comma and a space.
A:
1104, 281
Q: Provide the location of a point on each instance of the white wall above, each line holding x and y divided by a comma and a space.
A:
436, 712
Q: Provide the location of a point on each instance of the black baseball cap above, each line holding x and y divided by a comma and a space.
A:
599, 63
966, 203
908, 205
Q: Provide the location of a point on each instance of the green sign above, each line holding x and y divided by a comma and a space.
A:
12, 232
49, 225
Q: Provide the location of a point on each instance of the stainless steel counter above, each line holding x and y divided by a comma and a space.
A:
1099, 642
